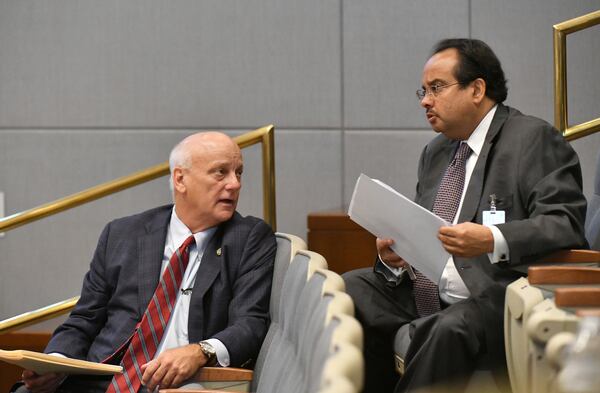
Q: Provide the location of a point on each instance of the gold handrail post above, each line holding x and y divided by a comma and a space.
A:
560, 79
269, 197
561, 114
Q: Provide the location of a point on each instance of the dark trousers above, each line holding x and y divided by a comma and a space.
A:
445, 347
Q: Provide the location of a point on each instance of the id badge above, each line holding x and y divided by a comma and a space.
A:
491, 217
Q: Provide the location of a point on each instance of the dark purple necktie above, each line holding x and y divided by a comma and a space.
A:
446, 203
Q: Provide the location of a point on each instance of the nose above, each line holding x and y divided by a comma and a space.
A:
427, 101
234, 182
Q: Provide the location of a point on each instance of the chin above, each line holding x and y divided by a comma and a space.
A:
223, 216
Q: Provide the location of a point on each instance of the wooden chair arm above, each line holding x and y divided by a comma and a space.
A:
571, 256
192, 391
588, 312
577, 297
215, 374
563, 275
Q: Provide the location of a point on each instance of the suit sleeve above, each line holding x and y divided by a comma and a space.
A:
550, 187
74, 337
249, 308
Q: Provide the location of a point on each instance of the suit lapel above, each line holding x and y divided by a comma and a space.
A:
210, 266
475, 187
151, 247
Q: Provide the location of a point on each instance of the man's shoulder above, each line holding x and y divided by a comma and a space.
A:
141, 220
241, 223
524, 122
519, 128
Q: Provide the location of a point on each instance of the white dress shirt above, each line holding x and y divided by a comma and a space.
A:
176, 333
451, 286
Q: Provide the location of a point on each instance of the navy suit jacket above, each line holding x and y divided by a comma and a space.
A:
536, 177
230, 298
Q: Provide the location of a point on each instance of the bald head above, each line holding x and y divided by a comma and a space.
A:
206, 173
182, 154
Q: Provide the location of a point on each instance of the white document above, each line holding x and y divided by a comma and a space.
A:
388, 214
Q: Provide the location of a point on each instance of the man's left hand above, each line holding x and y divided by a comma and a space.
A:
172, 367
467, 239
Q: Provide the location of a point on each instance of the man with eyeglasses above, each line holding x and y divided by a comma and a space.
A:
510, 186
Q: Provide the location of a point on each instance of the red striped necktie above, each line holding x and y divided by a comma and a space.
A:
150, 330
426, 292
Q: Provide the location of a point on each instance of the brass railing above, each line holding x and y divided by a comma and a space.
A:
560, 77
264, 135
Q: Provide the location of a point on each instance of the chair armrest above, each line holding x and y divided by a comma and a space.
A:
210, 374
215, 374
571, 256
588, 312
563, 275
192, 391
577, 297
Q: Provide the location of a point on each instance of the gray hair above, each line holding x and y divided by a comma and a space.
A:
180, 157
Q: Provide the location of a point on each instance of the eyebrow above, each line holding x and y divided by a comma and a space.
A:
433, 82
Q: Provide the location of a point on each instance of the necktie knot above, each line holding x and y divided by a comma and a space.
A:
463, 152
188, 242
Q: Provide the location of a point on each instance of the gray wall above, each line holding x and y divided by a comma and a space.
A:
92, 90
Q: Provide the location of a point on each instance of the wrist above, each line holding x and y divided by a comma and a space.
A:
209, 353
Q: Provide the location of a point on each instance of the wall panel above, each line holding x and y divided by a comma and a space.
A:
386, 44
521, 35
182, 63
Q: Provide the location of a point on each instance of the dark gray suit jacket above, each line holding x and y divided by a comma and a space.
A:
536, 177
230, 298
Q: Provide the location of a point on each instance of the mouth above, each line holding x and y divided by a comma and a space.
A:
430, 115
227, 202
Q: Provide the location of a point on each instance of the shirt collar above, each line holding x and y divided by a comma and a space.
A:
179, 232
477, 137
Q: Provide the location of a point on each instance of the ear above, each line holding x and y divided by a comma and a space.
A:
178, 183
479, 89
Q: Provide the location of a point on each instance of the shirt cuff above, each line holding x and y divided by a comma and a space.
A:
57, 354
221, 351
501, 252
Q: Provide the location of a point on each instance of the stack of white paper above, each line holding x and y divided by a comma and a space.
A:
388, 214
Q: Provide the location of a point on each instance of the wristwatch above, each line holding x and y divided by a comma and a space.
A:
209, 352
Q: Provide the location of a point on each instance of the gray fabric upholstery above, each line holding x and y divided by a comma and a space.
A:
308, 320
592, 220
402, 341
320, 353
279, 346
282, 263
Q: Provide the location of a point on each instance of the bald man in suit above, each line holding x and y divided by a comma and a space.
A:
221, 311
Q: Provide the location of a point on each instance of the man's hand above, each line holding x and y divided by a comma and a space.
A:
467, 239
387, 255
46, 383
173, 366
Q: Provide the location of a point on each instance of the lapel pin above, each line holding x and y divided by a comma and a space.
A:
219, 251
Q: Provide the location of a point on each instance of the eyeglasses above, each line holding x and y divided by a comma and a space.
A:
433, 90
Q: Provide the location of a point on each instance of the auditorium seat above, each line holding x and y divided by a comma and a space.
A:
314, 342
533, 317
287, 247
